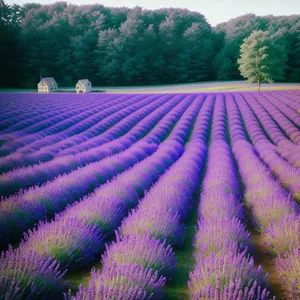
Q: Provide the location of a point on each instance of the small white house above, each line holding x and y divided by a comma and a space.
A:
47, 85
83, 86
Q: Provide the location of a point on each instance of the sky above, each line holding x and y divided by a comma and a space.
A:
215, 11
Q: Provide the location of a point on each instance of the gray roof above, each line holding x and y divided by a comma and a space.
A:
83, 81
47, 80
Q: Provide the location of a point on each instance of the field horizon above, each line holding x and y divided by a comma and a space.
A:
195, 87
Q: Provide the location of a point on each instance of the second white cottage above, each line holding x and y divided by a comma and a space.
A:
83, 86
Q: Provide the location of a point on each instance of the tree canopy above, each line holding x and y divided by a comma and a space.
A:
122, 46
262, 58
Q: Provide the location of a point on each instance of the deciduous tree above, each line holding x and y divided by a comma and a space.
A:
261, 58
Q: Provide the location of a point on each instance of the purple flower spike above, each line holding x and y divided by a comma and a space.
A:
161, 223
70, 241
271, 208
144, 250
289, 270
215, 203
122, 282
214, 231
29, 276
234, 291
106, 214
283, 234
228, 267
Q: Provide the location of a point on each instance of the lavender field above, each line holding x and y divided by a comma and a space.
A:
153, 196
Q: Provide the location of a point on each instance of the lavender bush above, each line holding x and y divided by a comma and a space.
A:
144, 250
29, 276
228, 267
133, 164
71, 242
120, 282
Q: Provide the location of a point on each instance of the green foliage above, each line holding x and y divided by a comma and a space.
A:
9, 41
122, 46
262, 59
284, 28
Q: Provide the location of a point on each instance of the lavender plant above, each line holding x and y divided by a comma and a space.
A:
288, 266
29, 276
231, 266
234, 291
71, 242
161, 223
213, 233
122, 282
144, 250
282, 234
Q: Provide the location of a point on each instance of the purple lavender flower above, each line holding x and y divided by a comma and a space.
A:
174, 196
289, 270
20, 212
122, 282
70, 241
271, 208
223, 269
218, 203
161, 223
29, 276
213, 233
144, 250
106, 213
234, 291
283, 234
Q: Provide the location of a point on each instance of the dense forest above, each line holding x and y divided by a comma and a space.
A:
122, 46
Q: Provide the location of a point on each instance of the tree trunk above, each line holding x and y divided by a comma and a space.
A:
258, 88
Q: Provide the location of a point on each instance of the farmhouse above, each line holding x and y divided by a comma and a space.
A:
83, 86
47, 85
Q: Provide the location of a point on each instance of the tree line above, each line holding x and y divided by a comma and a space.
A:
122, 46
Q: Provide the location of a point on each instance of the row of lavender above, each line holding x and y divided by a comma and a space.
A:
94, 122
121, 135
35, 148
137, 265
289, 151
61, 125
80, 229
229, 286
20, 212
26, 102
42, 152
288, 175
161, 229
19, 126
224, 269
274, 211
19, 107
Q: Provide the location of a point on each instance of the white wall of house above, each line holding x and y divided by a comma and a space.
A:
83, 88
47, 86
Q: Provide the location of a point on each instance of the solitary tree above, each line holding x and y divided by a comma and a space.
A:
262, 59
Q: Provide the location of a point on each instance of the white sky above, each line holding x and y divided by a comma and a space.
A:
215, 11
